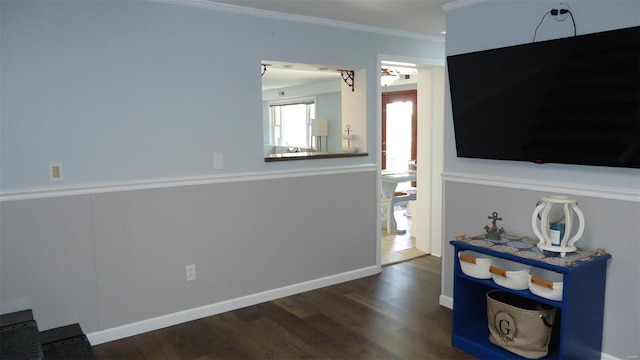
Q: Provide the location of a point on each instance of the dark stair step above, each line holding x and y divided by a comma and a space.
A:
19, 336
66, 343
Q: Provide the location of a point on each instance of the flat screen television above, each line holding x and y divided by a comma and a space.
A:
573, 100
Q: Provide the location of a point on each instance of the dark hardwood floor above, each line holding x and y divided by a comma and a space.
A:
392, 315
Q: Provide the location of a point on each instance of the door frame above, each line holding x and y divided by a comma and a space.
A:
430, 170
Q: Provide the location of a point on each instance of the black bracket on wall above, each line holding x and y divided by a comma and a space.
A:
348, 76
264, 68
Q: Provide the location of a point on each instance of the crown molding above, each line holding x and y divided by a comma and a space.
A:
243, 10
459, 4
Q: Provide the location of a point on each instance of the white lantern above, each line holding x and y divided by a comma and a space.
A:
557, 236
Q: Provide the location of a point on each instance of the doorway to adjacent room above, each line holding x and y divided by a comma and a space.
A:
399, 148
422, 139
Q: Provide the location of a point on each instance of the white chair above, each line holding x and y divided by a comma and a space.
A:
411, 191
387, 212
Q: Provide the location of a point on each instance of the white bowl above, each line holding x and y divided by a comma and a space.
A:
510, 274
475, 264
545, 283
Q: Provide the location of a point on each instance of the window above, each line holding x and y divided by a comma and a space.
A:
291, 123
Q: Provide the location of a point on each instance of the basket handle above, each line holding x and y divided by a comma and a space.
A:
545, 321
542, 282
498, 271
467, 258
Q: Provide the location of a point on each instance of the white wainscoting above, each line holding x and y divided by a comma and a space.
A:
112, 257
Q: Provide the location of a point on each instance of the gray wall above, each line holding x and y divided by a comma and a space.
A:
609, 198
134, 98
609, 224
110, 259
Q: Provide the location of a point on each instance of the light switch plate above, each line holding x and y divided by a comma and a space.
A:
218, 161
55, 172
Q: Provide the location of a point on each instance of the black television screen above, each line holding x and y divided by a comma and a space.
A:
574, 100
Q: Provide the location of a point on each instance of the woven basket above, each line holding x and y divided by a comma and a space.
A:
519, 325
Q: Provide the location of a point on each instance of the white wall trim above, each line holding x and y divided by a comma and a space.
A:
549, 186
243, 10
446, 301
120, 332
179, 181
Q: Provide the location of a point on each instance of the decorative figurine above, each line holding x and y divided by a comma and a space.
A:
348, 135
493, 233
557, 236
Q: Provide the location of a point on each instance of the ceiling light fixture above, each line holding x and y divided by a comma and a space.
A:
388, 76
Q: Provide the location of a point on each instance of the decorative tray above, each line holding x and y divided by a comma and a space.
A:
527, 248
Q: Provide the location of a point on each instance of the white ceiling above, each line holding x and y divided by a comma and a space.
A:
415, 18
424, 18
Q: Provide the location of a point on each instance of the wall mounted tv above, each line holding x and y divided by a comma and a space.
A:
573, 100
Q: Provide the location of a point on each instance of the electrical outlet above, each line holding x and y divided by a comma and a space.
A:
55, 172
191, 272
561, 12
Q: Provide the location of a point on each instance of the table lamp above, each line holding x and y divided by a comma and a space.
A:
319, 128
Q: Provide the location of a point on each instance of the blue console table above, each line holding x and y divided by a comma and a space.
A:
577, 332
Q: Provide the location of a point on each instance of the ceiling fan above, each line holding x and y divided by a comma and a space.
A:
388, 76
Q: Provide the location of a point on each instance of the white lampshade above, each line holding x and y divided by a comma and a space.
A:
319, 127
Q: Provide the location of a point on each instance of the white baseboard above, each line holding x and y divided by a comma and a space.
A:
139, 327
446, 301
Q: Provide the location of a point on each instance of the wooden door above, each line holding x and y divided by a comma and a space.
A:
409, 98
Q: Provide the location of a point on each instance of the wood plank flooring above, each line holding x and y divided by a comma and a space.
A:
391, 315
399, 247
